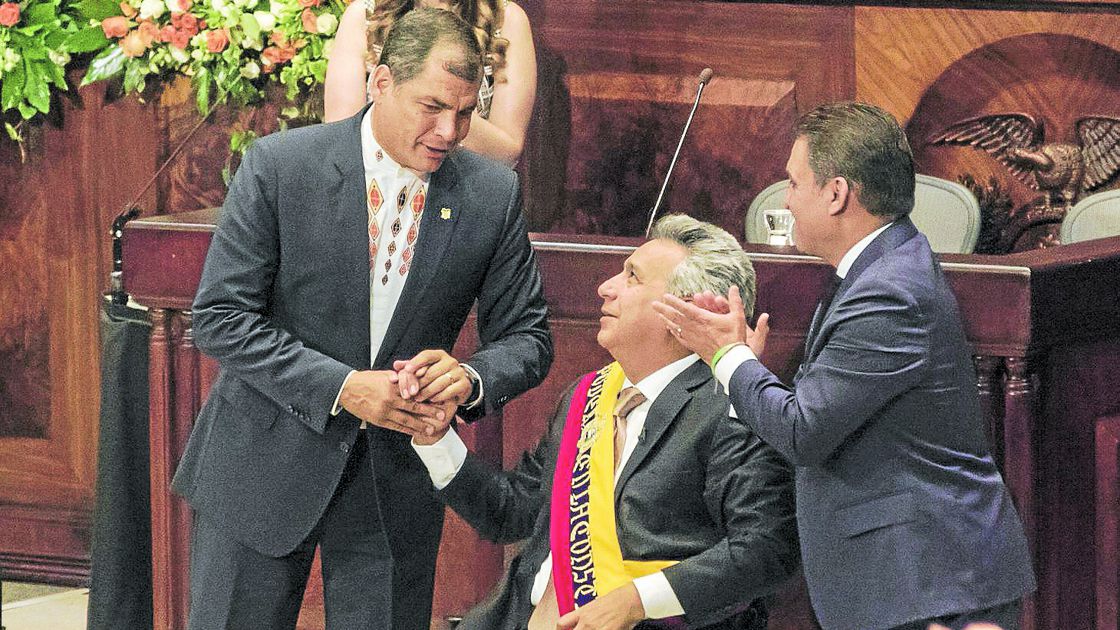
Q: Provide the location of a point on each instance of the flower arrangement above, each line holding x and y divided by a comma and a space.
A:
229, 48
33, 55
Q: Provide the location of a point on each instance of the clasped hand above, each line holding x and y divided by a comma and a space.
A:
417, 397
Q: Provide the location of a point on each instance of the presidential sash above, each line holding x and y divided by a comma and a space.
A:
586, 556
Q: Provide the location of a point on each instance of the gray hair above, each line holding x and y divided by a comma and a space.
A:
418, 32
866, 146
715, 261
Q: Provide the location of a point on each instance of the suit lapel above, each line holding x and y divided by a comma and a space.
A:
662, 413
351, 218
436, 227
901, 231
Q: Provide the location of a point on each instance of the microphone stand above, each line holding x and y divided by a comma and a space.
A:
705, 76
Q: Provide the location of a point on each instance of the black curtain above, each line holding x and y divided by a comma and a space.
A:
120, 596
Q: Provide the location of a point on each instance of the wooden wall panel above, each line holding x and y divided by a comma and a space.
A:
935, 67
55, 259
1067, 567
1107, 521
595, 58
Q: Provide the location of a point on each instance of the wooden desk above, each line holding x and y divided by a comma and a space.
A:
1045, 326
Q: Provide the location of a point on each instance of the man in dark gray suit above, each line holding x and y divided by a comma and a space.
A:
904, 518
342, 248
691, 488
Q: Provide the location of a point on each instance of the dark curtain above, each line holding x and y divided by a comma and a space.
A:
120, 596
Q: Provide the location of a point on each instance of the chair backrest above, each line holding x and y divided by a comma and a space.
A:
1095, 216
946, 212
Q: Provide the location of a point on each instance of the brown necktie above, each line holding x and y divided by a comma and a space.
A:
628, 399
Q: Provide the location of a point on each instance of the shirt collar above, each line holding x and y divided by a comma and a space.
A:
849, 258
652, 385
386, 164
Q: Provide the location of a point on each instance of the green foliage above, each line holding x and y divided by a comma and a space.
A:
33, 55
231, 49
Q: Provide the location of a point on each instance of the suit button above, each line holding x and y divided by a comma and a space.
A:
344, 447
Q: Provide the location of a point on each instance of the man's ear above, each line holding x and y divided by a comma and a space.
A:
840, 193
381, 81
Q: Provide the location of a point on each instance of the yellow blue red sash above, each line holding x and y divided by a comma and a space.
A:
586, 558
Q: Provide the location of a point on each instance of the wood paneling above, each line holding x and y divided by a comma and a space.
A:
633, 63
55, 212
935, 67
1108, 522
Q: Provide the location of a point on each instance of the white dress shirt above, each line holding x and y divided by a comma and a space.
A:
386, 285
739, 355
444, 459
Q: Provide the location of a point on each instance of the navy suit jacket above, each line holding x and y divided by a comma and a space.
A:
901, 510
698, 488
284, 307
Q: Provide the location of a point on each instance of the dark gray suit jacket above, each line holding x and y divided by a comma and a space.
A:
284, 307
698, 488
901, 510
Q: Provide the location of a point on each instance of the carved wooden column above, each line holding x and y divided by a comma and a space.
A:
1108, 522
174, 401
1019, 452
989, 374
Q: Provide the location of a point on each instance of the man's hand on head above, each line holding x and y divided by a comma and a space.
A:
710, 322
620, 609
374, 397
433, 376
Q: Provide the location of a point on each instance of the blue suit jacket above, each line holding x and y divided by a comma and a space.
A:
284, 306
901, 510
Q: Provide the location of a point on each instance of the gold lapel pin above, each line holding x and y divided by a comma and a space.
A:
445, 213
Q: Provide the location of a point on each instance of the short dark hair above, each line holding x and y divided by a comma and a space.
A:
866, 146
418, 32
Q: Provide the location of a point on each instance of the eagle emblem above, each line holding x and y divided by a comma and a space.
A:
1063, 172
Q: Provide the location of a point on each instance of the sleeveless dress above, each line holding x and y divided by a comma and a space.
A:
485, 89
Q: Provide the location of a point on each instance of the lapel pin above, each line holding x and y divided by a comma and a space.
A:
445, 213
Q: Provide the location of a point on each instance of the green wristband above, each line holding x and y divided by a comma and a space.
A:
722, 351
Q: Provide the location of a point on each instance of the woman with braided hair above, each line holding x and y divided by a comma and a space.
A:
505, 99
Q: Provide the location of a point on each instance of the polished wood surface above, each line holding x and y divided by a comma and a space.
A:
1045, 326
55, 212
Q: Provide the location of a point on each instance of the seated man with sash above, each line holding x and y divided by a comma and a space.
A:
645, 504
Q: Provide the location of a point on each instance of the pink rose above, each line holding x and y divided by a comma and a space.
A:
9, 14
133, 44
309, 3
181, 39
127, 9
309, 24
185, 5
116, 26
149, 32
166, 33
217, 40
186, 22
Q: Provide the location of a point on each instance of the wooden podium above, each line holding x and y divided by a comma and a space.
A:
1045, 326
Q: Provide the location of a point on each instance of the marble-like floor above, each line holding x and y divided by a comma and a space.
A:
35, 607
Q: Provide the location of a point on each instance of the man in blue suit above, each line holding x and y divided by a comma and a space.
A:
903, 517
342, 248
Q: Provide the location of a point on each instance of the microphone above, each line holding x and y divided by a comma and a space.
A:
705, 76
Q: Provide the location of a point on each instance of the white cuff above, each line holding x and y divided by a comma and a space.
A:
443, 459
730, 362
657, 596
471, 404
336, 408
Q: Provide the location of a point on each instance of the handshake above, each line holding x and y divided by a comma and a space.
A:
417, 397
